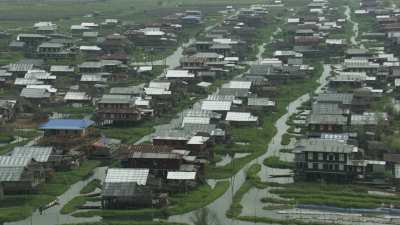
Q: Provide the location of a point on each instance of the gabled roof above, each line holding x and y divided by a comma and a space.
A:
34, 93
116, 175
66, 124
14, 161
216, 105
324, 145
11, 173
39, 154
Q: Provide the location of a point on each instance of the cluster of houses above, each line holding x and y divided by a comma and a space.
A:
342, 130
81, 69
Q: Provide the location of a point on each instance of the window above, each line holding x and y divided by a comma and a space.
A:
320, 166
341, 157
341, 167
320, 156
310, 155
309, 165
336, 167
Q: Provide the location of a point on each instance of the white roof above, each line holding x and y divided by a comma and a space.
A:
195, 120
156, 91
239, 84
76, 96
179, 74
49, 88
216, 105
141, 69
39, 75
232, 59
60, 68
152, 31
181, 175
89, 48
78, 27
204, 84
224, 41
240, 117
162, 85
93, 78
115, 175
197, 140
293, 20
89, 24
24, 81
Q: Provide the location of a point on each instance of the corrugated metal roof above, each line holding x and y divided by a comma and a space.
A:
78, 96
324, 145
138, 176
216, 105
11, 173
39, 154
34, 93
195, 120
13, 161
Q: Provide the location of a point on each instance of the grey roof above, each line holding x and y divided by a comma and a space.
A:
237, 92
50, 45
39, 154
324, 145
132, 90
117, 99
260, 102
172, 135
17, 67
11, 173
91, 65
327, 109
60, 68
343, 98
34, 93
4, 73
356, 51
122, 189
327, 119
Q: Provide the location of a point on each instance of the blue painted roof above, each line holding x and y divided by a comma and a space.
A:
66, 124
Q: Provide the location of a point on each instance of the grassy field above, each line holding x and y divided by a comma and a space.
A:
67, 12
344, 196
180, 203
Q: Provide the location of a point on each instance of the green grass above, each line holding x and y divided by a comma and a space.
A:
180, 203
201, 197
286, 139
129, 134
6, 138
275, 162
344, 196
91, 186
